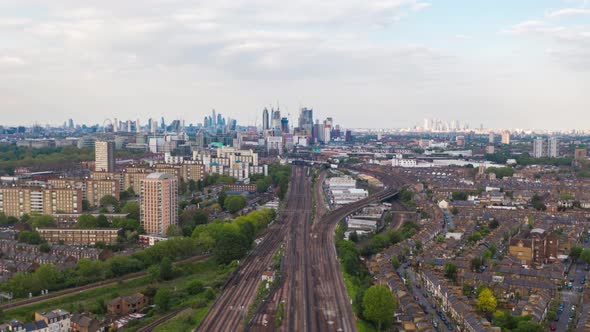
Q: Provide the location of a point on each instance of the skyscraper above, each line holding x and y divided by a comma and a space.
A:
265, 119
538, 147
553, 147
276, 119
284, 125
492, 138
158, 203
306, 120
104, 154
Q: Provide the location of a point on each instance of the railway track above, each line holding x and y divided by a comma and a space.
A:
230, 310
100, 284
151, 326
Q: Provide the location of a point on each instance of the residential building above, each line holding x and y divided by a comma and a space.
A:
104, 156
538, 147
16, 201
84, 323
553, 147
158, 203
56, 320
580, 154
80, 235
125, 305
506, 137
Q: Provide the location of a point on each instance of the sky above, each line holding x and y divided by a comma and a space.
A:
371, 64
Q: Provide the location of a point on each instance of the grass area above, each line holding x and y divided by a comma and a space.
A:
351, 288
186, 320
75, 301
208, 271
363, 326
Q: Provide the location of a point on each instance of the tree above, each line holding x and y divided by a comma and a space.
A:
575, 252
85, 205
49, 276
221, 198
234, 203
354, 237
455, 211
42, 220
109, 201
379, 305
459, 196
131, 207
195, 287
494, 224
486, 301
585, 256
86, 221
173, 230
230, 245
30, 237
476, 263
395, 262
166, 269
163, 299
450, 271
45, 248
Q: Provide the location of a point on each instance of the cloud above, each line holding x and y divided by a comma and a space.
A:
568, 12
11, 61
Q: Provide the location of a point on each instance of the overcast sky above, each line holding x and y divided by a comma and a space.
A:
383, 63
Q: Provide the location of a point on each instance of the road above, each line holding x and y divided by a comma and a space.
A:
229, 311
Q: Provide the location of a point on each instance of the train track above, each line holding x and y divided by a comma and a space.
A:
92, 286
229, 311
151, 326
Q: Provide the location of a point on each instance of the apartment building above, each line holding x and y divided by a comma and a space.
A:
16, 201
159, 203
80, 235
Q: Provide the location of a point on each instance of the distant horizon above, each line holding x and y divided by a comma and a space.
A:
389, 63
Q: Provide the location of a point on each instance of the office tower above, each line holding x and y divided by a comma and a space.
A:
506, 137
213, 118
265, 119
104, 154
137, 126
426, 124
71, 124
538, 147
306, 120
158, 203
115, 125
492, 138
276, 119
552, 147
284, 125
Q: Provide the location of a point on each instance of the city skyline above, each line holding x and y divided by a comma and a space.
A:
386, 64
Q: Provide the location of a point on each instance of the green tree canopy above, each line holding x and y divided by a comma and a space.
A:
234, 203
379, 305
131, 207
486, 301
41, 220
30, 237
163, 299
